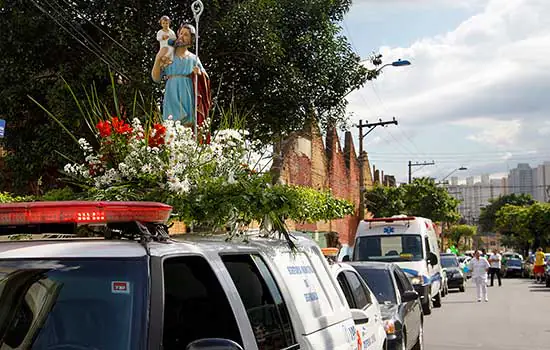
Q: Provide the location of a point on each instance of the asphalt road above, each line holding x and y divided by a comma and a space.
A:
517, 317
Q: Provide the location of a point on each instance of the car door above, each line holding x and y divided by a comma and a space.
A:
358, 297
408, 311
414, 308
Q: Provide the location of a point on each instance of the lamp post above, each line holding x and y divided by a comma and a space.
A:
398, 63
452, 172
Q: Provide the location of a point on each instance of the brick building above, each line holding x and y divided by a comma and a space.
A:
308, 161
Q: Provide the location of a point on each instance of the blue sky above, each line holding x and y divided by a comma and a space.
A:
475, 94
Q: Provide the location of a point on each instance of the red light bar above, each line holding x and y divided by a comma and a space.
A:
406, 218
82, 212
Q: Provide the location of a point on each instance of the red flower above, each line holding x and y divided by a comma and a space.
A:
120, 126
104, 128
158, 138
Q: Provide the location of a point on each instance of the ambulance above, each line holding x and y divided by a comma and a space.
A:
411, 243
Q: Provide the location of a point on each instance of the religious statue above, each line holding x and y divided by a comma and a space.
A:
166, 51
187, 93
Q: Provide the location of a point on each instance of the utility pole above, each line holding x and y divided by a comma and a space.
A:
411, 164
371, 127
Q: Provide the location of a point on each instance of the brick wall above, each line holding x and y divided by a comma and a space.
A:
308, 161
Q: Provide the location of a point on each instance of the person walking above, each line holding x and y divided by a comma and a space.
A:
479, 267
538, 269
495, 260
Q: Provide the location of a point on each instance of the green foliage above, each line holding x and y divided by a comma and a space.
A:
420, 198
9, 198
488, 214
524, 225
286, 61
457, 232
385, 201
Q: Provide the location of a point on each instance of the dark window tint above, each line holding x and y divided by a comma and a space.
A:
389, 248
263, 301
449, 261
91, 304
427, 243
346, 289
404, 279
399, 283
380, 282
195, 305
360, 295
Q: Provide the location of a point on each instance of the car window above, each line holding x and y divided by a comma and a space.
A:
360, 295
346, 289
427, 243
99, 303
194, 301
399, 283
404, 280
380, 283
262, 299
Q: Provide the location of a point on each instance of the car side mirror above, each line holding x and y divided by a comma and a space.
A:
213, 344
346, 258
409, 295
432, 259
359, 316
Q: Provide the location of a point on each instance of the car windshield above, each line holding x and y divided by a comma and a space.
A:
513, 262
388, 248
449, 261
73, 303
380, 282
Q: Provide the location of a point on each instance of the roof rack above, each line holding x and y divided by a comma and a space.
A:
133, 220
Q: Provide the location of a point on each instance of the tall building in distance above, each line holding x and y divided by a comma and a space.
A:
541, 182
475, 194
520, 179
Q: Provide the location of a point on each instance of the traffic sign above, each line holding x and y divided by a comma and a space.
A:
2, 127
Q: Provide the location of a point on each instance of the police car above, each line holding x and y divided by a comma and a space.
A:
121, 282
371, 334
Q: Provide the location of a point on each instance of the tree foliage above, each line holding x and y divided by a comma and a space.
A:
422, 198
285, 61
457, 232
524, 226
487, 218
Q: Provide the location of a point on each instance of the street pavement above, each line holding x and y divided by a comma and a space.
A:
517, 317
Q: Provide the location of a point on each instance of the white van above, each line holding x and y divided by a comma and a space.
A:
411, 243
133, 287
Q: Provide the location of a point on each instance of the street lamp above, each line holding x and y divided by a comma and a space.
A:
398, 63
452, 172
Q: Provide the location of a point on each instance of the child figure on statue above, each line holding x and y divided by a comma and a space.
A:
166, 51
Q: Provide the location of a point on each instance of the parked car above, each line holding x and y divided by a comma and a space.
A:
547, 274
371, 334
455, 276
511, 255
512, 267
399, 302
409, 242
132, 286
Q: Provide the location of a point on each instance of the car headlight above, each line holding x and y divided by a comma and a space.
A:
389, 327
416, 280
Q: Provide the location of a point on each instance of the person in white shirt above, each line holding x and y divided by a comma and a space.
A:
495, 260
479, 267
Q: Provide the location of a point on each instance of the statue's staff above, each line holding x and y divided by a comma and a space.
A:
197, 7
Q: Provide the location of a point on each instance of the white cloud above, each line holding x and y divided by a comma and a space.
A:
491, 74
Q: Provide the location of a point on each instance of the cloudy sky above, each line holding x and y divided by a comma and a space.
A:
476, 95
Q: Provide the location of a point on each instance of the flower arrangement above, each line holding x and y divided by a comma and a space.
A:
213, 181
163, 156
